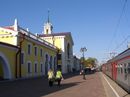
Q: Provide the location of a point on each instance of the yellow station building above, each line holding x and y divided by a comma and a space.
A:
23, 54
64, 42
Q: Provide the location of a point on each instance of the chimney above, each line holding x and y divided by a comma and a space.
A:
16, 25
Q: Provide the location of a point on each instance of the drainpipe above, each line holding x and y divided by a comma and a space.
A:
16, 62
19, 53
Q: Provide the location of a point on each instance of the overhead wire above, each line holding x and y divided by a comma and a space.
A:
118, 23
126, 38
116, 29
122, 42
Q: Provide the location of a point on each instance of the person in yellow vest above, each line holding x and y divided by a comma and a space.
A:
50, 77
59, 76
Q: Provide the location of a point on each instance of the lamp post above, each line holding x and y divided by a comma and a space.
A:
82, 50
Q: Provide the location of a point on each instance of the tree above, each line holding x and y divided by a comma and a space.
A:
90, 62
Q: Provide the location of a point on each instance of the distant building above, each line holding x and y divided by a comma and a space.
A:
77, 64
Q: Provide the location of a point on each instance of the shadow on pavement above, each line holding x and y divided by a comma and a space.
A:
31, 88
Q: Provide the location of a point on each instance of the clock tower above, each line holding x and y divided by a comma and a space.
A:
48, 26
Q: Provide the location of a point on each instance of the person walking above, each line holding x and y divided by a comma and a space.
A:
59, 76
83, 73
50, 77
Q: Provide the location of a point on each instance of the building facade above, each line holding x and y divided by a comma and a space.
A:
23, 54
64, 42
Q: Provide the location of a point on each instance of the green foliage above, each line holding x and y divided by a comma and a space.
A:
90, 62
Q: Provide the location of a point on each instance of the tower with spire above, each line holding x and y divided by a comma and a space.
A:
48, 26
64, 44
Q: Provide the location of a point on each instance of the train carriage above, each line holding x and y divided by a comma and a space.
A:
118, 69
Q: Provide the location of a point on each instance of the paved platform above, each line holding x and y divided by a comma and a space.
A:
72, 86
120, 92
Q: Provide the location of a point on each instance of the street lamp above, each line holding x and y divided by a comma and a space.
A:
82, 50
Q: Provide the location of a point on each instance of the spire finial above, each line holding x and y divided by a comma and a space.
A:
48, 16
48, 26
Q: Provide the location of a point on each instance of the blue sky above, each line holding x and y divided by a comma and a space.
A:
93, 23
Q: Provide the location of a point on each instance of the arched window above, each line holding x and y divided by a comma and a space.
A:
68, 50
46, 31
36, 68
29, 68
46, 64
51, 62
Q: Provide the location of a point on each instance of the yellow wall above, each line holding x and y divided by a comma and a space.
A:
34, 58
8, 37
10, 53
9, 40
57, 41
